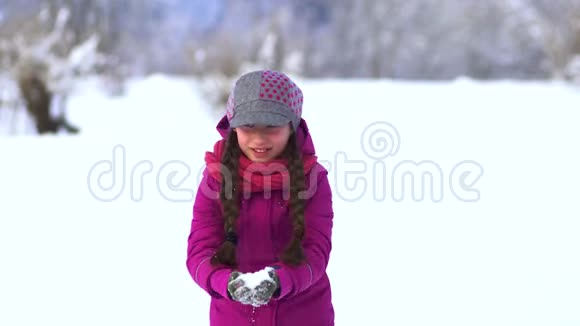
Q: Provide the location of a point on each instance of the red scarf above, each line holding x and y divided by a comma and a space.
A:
272, 175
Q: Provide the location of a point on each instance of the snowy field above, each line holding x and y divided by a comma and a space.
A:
493, 240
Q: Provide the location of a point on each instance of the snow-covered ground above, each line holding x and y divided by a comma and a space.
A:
500, 244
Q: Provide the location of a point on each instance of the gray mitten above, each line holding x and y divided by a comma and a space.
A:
264, 291
238, 290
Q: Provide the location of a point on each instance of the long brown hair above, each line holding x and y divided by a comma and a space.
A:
229, 197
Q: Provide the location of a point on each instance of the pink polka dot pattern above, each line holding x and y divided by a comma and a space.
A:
278, 87
269, 87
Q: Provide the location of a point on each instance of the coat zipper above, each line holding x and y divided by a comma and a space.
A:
253, 316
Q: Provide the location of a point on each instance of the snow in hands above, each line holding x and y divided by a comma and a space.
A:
252, 280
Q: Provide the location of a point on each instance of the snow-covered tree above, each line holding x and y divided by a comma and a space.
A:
46, 68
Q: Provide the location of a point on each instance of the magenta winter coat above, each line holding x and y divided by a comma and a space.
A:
264, 229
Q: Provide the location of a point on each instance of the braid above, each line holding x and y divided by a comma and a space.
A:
294, 253
226, 253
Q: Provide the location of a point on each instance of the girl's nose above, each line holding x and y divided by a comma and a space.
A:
259, 135
259, 140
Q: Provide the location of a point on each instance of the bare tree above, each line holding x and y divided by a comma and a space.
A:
559, 31
45, 67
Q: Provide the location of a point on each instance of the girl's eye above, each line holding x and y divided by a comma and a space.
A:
247, 127
268, 129
272, 130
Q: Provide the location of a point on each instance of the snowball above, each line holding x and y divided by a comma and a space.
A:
252, 280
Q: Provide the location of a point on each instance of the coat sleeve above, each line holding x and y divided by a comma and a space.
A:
317, 244
205, 236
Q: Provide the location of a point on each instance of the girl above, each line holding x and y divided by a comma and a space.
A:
260, 236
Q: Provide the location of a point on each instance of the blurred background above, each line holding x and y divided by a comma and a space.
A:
52, 44
107, 108
420, 39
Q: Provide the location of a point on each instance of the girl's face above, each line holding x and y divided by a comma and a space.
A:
263, 143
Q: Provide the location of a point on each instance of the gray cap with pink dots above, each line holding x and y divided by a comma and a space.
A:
264, 97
